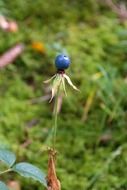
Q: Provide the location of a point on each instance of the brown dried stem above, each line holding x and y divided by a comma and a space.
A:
52, 180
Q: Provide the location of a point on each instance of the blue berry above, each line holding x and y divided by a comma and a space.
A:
62, 62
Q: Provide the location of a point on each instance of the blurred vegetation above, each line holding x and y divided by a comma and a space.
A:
92, 123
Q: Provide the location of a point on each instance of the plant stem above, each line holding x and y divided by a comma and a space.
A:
55, 117
6, 171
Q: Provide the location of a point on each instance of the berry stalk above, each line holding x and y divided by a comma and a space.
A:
55, 116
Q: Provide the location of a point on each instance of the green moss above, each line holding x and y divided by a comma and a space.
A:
96, 44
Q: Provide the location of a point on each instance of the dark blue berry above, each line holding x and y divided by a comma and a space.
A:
62, 62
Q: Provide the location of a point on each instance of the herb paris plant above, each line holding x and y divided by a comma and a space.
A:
62, 62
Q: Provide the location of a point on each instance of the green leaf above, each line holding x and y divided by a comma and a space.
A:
7, 157
3, 186
29, 170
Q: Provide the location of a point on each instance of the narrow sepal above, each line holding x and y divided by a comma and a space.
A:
55, 86
70, 82
47, 81
63, 85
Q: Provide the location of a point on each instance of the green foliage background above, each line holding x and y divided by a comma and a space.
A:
96, 42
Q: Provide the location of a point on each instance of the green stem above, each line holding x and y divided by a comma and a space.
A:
55, 117
6, 171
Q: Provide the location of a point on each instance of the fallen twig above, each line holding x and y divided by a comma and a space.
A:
9, 56
120, 10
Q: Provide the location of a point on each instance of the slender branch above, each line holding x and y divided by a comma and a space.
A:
112, 5
119, 9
